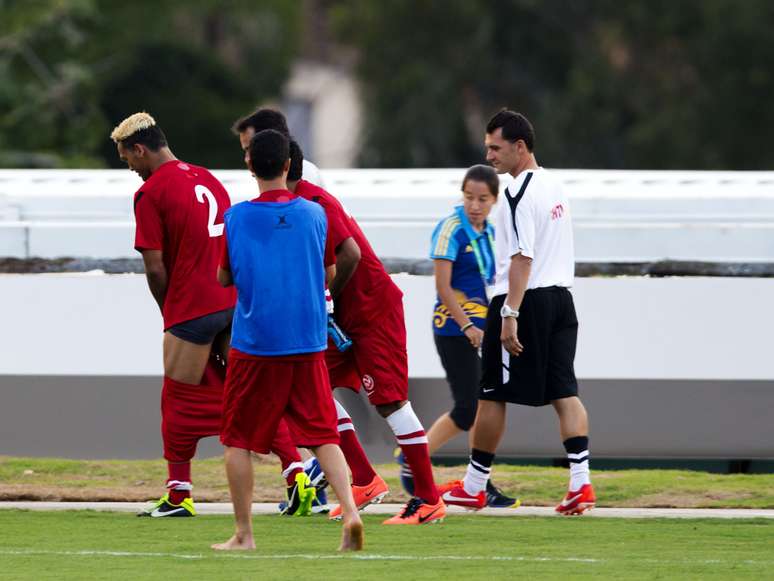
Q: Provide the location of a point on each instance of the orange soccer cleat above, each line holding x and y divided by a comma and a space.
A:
577, 501
418, 512
372, 493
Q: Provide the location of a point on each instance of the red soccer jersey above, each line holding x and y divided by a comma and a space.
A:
179, 210
370, 290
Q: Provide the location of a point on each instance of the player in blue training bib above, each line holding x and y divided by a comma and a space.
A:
276, 255
278, 238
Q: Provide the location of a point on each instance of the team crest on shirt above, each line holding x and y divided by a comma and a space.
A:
557, 212
368, 384
468, 248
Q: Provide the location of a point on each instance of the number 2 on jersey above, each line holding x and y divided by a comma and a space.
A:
214, 229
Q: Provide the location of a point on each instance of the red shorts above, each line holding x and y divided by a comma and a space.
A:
260, 391
190, 413
377, 360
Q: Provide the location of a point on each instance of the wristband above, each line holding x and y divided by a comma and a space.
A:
466, 327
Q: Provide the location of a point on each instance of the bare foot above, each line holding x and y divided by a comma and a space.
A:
352, 536
236, 543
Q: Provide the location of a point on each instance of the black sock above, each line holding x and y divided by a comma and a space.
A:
485, 459
577, 444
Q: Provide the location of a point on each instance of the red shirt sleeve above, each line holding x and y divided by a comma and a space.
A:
330, 251
225, 261
338, 231
149, 232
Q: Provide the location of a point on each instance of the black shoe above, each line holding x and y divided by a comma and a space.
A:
496, 499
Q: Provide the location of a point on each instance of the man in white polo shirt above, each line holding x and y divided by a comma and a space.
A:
531, 332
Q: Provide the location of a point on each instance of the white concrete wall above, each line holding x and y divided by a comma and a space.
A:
618, 216
630, 328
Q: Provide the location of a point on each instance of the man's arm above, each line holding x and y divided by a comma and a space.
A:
518, 276
156, 273
443, 273
224, 277
347, 259
330, 274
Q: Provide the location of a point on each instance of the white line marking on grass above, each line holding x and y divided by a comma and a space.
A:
248, 556
366, 557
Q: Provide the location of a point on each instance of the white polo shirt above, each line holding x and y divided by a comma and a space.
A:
533, 218
311, 173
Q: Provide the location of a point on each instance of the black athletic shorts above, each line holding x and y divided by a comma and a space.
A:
203, 330
462, 364
545, 371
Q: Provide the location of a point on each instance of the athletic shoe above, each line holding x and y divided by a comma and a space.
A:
164, 508
318, 480
454, 493
418, 512
300, 497
373, 493
496, 499
406, 476
319, 504
316, 474
577, 501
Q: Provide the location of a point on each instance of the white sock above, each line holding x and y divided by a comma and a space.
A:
406, 426
293, 466
476, 478
579, 470
179, 485
344, 419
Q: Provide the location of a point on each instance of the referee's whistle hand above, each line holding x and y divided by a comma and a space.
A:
509, 337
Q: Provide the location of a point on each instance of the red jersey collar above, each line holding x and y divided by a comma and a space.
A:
275, 196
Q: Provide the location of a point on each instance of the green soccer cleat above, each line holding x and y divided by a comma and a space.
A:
300, 497
164, 508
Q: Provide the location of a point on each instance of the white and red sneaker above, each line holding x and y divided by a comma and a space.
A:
577, 501
454, 493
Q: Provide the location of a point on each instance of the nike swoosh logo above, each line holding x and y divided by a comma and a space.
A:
450, 496
488, 390
156, 512
424, 518
370, 492
569, 501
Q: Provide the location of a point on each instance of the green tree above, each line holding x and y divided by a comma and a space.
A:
607, 84
71, 69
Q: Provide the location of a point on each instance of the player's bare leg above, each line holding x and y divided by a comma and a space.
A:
443, 430
185, 361
335, 466
489, 427
573, 419
487, 432
239, 469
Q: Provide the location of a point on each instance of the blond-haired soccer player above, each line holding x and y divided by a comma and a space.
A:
179, 214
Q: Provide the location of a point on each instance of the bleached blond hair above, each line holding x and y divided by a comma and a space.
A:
132, 125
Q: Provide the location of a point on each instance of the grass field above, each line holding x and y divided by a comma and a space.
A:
94, 480
91, 545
